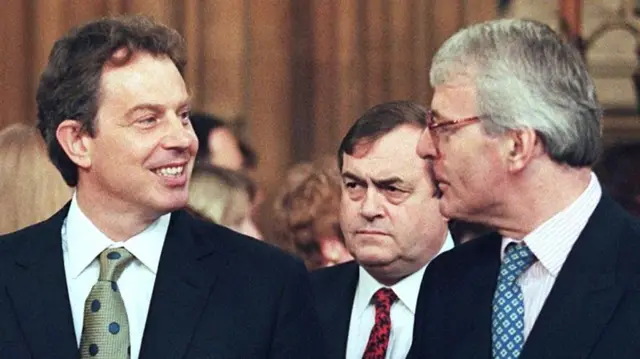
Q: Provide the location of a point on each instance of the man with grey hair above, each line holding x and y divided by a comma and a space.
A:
514, 132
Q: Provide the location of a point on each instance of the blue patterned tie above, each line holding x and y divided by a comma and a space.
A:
507, 332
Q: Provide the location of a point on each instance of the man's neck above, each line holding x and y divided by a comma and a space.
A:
117, 221
390, 276
539, 198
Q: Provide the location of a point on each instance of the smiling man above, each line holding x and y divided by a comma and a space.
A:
122, 271
392, 227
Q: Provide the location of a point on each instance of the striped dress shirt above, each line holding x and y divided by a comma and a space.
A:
551, 243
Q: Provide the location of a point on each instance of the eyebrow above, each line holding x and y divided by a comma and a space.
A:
351, 176
384, 182
155, 107
144, 106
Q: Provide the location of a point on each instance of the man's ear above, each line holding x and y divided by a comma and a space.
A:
76, 142
522, 146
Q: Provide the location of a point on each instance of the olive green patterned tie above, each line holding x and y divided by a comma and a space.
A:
105, 332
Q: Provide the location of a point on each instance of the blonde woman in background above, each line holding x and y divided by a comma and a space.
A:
224, 197
31, 188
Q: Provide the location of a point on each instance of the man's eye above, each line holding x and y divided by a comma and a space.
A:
442, 130
185, 116
395, 194
350, 184
148, 121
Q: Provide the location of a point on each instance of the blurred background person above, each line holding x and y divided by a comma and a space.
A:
31, 188
219, 145
224, 197
305, 212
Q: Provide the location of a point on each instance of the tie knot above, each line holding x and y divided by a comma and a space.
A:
517, 259
384, 297
112, 263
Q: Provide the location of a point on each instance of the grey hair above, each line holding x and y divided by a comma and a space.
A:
526, 76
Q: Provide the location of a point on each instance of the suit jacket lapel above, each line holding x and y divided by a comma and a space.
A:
578, 306
338, 317
180, 290
478, 300
39, 293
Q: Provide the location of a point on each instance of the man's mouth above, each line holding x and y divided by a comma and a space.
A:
374, 232
173, 171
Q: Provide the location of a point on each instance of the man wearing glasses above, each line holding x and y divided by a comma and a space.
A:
513, 134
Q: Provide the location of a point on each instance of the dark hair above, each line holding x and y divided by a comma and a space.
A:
70, 83
249, 155
203, 123
378, 121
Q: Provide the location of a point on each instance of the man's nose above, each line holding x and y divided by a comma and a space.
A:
371, 205
180, 135
427, 145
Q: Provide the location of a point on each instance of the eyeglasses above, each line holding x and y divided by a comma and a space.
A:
438, 128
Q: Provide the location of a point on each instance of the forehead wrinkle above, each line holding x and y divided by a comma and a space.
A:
398, 171
392, 155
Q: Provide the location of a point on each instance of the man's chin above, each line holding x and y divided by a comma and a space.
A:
171, 204
386, 273
375, 263
447, 210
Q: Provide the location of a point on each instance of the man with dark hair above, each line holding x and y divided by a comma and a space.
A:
513, 135
122, 271
392, 227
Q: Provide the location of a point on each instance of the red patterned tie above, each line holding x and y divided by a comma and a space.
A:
379, 338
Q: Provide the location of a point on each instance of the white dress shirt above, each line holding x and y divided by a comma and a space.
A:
82, 242
402, 312
551, 243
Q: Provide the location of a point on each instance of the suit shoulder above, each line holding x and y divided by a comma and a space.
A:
463, 257
23, 245
634, 227
242, 248
36, 236
334, 274
11, 243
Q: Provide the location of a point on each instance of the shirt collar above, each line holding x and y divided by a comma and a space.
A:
406, 289
552, 241
83, 241
448, 244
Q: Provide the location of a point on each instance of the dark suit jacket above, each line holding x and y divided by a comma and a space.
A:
334, 289
593, 310
217, 294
